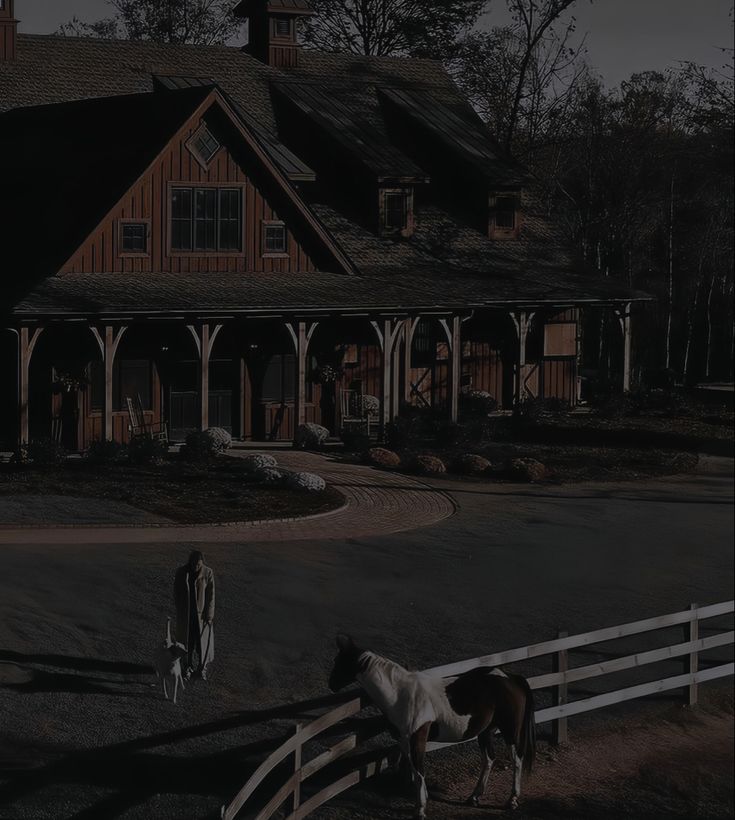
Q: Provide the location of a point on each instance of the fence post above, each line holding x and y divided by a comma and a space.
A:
559, 730
295, 800
693, 662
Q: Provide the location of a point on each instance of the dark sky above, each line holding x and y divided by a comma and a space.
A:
623, 36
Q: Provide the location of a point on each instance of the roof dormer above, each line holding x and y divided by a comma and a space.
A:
273, 29
8, 30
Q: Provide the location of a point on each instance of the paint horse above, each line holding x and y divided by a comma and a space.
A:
422, 707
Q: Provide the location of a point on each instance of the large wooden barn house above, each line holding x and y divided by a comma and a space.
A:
256, 238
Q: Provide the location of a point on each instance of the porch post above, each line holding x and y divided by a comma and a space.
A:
108, 347
522, 320
624, 318
456, 369
301, 333
27, 339
409, 331
388, 331
204, 377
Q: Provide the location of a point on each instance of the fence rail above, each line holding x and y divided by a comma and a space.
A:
558, 681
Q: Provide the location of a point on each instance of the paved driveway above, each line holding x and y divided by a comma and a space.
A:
78, 623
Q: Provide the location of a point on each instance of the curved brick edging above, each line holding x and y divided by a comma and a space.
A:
376, 503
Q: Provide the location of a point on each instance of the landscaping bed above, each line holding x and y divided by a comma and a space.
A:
556, 446
220, 491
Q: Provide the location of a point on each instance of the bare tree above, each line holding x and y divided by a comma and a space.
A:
426, 28
199, 22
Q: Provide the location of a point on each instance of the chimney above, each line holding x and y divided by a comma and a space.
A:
273, 26
8, 31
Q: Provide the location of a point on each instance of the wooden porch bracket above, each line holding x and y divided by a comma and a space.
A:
388, 332
27, 340
522, 320
108, 345
204, 336
301, 334
624, 317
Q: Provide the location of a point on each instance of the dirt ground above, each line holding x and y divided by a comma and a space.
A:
665, 762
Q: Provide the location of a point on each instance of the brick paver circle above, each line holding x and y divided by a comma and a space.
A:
376, 503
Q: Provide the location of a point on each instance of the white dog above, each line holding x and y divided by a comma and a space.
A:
167, 663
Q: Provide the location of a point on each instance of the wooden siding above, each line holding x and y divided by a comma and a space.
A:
148, 200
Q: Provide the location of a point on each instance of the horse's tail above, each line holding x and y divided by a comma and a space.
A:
527, 738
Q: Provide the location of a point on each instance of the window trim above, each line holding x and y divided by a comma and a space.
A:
123, 254
191, 148
498, 232
274, 223
172, 252
406, 192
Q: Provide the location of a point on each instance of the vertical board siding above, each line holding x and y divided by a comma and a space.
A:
148, 199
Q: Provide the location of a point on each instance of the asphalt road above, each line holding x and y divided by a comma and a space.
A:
82, 734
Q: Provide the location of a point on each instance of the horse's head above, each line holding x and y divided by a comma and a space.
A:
346, 664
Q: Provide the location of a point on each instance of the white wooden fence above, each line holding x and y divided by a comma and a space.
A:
558, 680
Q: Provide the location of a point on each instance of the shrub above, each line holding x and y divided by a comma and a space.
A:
306, 482
20, 456
355, 441
527, 469
200, 447
371, 405
427, 465
382, 457
469, 464
105, 452
269, 475
260, 461
145, 450
311, 436
477, 403
46, 452
221, 437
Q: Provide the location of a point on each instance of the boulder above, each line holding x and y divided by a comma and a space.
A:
470, 464
428, 465
527, 469
382, 457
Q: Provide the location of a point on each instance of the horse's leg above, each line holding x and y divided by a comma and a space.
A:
418, 756
485, 739
517, 770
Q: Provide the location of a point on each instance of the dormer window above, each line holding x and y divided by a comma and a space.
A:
396, 212
505, 215
203, 145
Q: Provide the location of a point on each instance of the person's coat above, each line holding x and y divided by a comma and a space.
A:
204, 595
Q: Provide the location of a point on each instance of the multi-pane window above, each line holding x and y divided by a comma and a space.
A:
134, 237
505, 212
274, 237
204, 145
395, 211
206, 219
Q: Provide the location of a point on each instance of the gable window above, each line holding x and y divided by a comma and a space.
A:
203, 145
396, 212
134, 237
505, 215
274, 238
206, 220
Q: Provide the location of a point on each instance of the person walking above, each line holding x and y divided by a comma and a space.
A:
194, 600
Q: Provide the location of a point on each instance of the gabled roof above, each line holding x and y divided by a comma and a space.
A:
73, 162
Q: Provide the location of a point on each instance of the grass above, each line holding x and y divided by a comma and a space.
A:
219, 492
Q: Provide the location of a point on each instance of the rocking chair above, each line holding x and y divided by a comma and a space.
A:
137, 425
352, 412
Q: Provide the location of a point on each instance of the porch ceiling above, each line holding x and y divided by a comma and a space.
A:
164, 294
